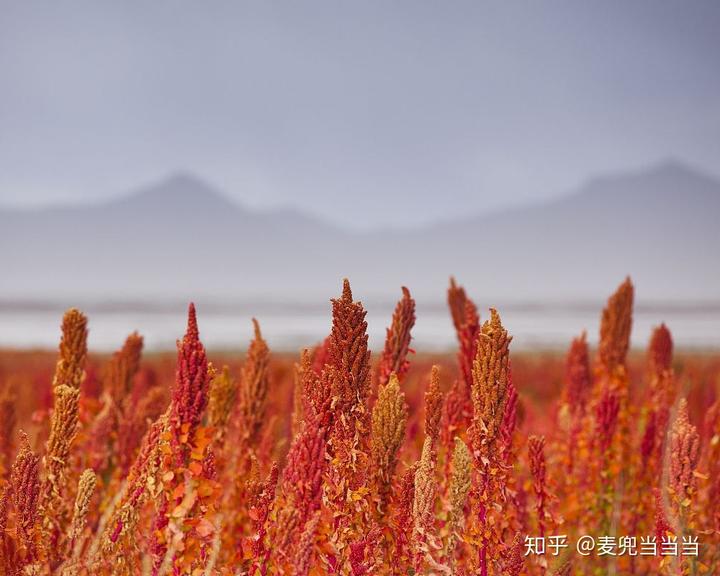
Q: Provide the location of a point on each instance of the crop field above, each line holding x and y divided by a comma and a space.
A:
598, 460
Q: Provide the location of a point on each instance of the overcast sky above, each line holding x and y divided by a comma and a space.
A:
362, 112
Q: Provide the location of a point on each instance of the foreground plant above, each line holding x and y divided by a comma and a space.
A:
330, 464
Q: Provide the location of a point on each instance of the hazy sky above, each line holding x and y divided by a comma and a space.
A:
364, 112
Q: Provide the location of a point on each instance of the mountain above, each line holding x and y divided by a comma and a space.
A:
181, 238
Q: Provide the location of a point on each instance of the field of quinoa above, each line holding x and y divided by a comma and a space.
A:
601, 460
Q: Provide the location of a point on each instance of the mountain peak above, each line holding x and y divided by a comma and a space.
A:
180, 189
182, 178
668, 178
671, 164
179, 236
676, 170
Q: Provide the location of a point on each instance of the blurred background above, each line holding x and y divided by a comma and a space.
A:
249, 155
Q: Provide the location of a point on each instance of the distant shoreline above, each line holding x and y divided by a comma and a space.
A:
281, 306
291, 326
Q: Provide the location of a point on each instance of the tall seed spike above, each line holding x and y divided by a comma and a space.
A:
25, 481
615, 327
346, 291
86, 489
397, 340
73, 349
389, 418
433, 405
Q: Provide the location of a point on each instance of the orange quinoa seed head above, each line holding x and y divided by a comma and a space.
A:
73, 349
615, 327
397, 340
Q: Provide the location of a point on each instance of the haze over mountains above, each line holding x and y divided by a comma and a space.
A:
183, 239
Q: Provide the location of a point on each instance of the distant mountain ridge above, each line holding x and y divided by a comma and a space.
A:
182, 238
